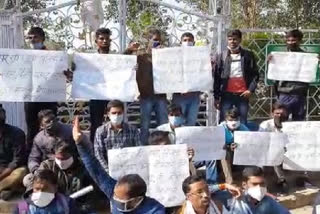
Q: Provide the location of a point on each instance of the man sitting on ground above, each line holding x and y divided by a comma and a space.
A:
255, 200
128, 194
12, 157
45, 198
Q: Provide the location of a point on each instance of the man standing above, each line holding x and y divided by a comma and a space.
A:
235, 77
36, 38
279, 115
190, 101
12, 157
114, 134
293, 94
149, 101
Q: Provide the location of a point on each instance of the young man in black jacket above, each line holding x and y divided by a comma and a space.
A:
235, 77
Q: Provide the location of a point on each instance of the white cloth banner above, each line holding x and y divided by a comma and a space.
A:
293, 66
182, 69
305, 126
163, 168
303, 151
32, 75
259, 148
207, 142
104, 77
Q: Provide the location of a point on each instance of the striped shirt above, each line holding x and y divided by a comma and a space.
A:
107, 138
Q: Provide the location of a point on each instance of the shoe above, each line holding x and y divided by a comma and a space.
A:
6, 195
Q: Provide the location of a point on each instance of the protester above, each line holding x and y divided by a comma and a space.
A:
235, 77
149, 101
198, 197
293, 94
176, 120
46, 139
190, 101
114, 134
12, 157
279, 115
45, 198
255, 200
231, 124
36, 37
128, 194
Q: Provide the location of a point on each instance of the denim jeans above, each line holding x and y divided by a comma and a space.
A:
295, 105
211, 170
158, 105
229, 100
189, 104
97, 110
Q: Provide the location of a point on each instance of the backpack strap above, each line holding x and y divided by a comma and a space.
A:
63, 200
23, 207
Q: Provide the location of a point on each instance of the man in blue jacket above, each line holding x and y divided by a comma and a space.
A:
127, 195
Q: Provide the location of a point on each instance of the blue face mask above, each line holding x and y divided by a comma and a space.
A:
176, 121
37, 45
155, 44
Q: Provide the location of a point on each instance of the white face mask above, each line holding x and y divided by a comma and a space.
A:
257, 192
187, 44
233, 124
234, 49
116, 119
126, 205
42, 199
64, 164
37, 46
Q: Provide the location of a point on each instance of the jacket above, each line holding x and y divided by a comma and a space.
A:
61, 204
221, 71
43, 145
12, 147
230, 134
291, 87
145, 77
107, 183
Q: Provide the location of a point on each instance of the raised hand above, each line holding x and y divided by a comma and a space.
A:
76, 131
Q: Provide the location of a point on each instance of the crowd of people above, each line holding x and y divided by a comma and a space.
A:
54, 160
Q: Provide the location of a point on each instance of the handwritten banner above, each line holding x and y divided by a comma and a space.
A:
163, 168
182, 69
259, 148
104, 77
302, 66
32, 75
303, 151
305, 126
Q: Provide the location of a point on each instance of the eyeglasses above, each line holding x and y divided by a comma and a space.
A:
200, 194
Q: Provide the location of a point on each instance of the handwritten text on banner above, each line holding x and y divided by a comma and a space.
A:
182, 69
259, 148
163, 168
104, 77
207, 142
32, 75
293, 66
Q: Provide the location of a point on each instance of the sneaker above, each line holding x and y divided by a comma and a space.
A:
6, 195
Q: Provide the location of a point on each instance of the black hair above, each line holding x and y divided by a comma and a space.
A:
101, 31
191, 180
37, 31
136, 185
235, 32
45, 113
233, 113
47, 175
187, 34
278, 105
251, 171
2, 109
155, 32
158, 136
62, 146
295, 34
115, 104
173, 108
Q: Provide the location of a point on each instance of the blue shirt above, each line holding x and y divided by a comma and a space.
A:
266, 206
107, 184
230, 134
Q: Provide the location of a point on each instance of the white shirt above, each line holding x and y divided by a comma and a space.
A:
235, 70
213, 209
268, 126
